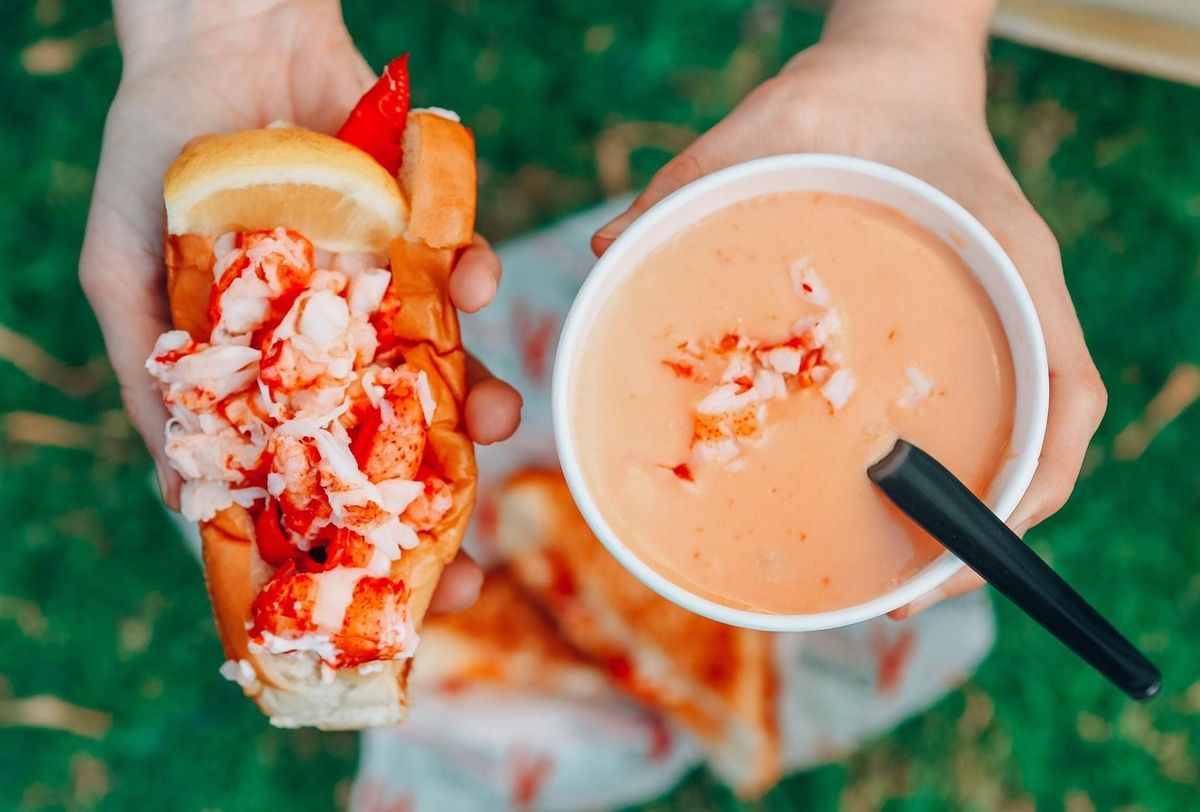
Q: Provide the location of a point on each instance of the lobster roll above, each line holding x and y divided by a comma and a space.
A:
315, 381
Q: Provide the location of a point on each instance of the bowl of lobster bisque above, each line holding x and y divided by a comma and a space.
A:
744, 351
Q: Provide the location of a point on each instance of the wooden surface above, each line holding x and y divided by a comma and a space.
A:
1155, 37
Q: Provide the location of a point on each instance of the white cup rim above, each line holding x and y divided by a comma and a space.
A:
1033, 397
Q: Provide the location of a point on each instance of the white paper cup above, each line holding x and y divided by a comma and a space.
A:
922, 203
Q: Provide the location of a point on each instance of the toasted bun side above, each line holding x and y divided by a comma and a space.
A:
502, 641
284, 177
226, 547
189, 260
438, 178
717, 680
420, 278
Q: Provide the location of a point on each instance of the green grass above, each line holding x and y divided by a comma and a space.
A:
101, 606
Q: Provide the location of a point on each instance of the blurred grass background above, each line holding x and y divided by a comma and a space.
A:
108, 696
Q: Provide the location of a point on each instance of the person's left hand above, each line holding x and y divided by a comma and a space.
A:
198, 66
895, 96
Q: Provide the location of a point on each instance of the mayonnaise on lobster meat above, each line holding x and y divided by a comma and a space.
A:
741, 380
287, 411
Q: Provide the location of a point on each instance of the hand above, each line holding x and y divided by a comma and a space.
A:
908, 90
200, 66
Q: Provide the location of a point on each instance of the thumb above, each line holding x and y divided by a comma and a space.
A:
689, 165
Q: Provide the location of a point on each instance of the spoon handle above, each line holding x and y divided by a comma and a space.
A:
934, 498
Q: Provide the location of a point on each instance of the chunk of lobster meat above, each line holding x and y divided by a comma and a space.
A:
295, 481
376, 624
247, 412
817, 330
391, 439
308, 359
838, 388
384, 318
225, 455
320, 470
718, 436
348, 549
284, 606
344, 616
258, 276
920, 386
432, 505
392, 451
807, 284
368, 286
196, 375
365, 340
202, 499
332, 281
275, 545
363, 396
376, 124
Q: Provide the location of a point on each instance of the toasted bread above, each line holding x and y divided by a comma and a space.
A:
438, 177
502, 641
719, 681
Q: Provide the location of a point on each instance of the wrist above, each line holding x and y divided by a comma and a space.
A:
149, 29
955, 28
923, 47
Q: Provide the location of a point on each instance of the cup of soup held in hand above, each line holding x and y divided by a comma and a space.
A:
747, 348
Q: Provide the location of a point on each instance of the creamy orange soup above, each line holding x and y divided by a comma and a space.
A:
734, 390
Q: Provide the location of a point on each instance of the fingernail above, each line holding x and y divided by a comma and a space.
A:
162, 482
925, 601
167, 484
493, 287
613, 228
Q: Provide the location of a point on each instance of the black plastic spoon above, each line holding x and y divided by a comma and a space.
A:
934, 498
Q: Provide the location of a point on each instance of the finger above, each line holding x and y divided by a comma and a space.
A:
476, 277
681, 170
1077, 403
1077, 395
493, 408
960, 583
459, 586
1076, 407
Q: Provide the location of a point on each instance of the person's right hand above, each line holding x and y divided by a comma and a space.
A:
904, 84
199, 66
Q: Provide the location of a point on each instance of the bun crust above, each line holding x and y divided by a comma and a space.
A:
291, 690
438, 177
719, 681
189, 261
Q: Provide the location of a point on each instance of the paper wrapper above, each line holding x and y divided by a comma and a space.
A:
479, 745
